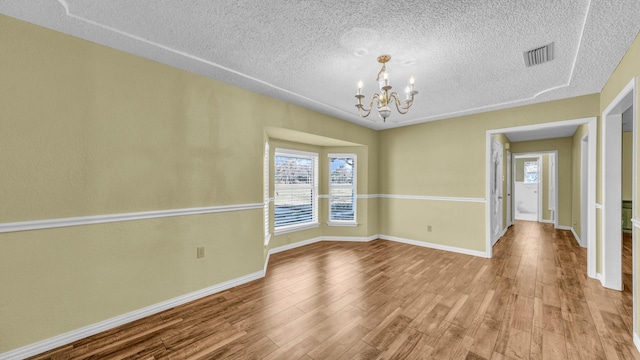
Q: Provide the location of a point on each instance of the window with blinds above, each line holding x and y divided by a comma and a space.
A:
296, 190
342, 189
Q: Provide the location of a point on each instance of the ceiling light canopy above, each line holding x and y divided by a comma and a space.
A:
384, 98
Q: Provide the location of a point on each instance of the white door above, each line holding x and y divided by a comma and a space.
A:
526, 191
496, 191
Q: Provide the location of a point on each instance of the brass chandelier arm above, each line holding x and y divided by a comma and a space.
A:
402, 109
361, 109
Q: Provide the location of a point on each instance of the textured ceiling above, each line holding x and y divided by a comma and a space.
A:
466, 56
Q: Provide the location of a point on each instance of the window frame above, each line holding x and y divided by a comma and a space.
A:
537, 172
353, 186
277, 230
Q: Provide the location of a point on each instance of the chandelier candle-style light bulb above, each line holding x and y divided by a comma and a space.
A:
384, 98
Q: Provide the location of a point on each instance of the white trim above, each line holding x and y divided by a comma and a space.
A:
342, 223
293, 246
432, 198
293, 228
611, 121
295, 153
545, 221
599, 206
434, 246
367, 196
598, 276
101, 219
636, 341
563, 227
86, 331
351, 238
573, 231
635, 222
341, 155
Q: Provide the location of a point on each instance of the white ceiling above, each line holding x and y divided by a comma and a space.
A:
542, 133
466, 56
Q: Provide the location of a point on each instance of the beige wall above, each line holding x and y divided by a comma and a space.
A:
627, 165
88, 130
576, 171
435, 159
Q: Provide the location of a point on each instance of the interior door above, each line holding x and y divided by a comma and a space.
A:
526, 190
496, 191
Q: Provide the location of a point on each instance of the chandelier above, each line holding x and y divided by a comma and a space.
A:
384, 98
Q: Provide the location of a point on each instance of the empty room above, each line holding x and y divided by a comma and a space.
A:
319, 180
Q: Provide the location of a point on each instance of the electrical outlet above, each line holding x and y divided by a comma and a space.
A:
200, 252
428, 228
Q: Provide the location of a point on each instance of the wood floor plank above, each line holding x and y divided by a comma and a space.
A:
387, 300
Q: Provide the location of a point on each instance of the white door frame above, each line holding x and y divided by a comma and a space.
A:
509, 191
611, 206
584, 186
591, 206
538, 156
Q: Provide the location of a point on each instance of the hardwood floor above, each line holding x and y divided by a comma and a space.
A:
388, 300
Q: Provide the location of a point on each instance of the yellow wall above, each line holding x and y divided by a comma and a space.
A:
576, 171
626, 71
627, 165
88, 130
447, 159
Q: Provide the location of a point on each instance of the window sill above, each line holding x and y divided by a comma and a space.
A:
342, 223
294, 228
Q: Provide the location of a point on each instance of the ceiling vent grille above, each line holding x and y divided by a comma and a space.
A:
539, 55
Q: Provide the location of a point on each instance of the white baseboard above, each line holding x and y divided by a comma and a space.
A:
434, 246
350, 238
81, 333
636, 341
573, 231
563, 227
546, 221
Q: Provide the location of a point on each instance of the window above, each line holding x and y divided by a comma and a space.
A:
530, 172
342, 189
265, 182
296, 190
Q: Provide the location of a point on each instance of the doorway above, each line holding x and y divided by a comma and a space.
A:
611, 206
527, 187
537, 132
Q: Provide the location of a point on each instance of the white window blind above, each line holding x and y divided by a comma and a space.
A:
342, 188
265, 179
296, 189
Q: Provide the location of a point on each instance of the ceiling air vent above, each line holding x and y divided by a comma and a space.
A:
539, 55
